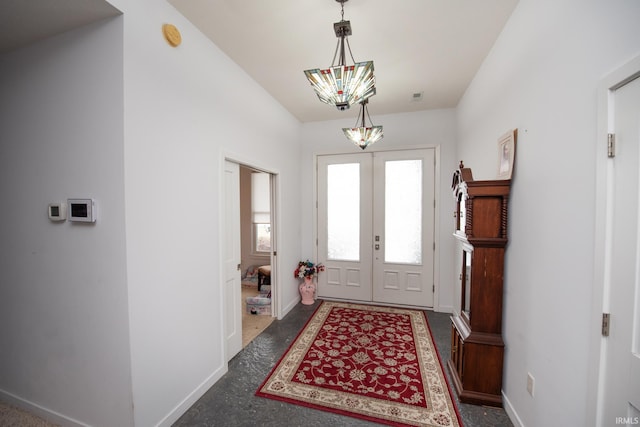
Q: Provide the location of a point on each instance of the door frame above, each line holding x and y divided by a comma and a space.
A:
604, 190
274, 183
437, 184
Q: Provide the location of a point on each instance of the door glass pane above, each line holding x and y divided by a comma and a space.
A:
403, 212
343, 212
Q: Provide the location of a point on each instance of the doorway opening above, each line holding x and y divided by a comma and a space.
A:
256, 248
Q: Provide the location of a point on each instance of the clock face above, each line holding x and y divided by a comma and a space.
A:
171, 34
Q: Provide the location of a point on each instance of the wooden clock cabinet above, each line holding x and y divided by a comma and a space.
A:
477, 347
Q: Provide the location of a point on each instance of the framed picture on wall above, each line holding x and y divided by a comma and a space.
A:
506, 154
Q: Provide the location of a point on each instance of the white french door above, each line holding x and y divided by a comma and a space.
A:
404, 209
345, 224
376, 226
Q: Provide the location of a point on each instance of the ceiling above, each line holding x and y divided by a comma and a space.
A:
433, 47
428, 47
27, 21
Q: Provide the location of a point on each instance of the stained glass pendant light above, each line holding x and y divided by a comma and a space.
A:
343, 85
364, 135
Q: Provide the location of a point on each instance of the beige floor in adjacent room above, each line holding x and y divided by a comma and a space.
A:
10, 416
252, 324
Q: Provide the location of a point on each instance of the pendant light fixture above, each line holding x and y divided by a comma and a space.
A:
364, 135
343, 85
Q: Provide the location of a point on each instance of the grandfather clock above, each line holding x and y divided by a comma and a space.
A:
477, 348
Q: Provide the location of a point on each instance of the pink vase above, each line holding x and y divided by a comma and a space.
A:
307, 291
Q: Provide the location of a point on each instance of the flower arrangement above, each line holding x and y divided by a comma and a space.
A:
307, 269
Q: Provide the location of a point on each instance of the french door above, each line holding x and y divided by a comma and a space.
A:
376, 226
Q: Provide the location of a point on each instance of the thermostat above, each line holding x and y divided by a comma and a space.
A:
82, 210
57, 211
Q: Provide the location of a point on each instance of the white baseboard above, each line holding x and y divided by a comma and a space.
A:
443, 309
41, 411
511, 412
193, 397
288, 308
65, 421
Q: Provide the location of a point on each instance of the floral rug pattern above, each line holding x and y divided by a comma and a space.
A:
376, 363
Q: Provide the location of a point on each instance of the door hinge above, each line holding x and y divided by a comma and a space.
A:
433, 288
611, 145
606, 323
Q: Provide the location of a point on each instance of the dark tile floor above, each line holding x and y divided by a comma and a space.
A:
232, 401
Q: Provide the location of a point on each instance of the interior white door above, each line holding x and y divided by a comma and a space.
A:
403, 224
621, 357
344, 226
231, 263
376, 226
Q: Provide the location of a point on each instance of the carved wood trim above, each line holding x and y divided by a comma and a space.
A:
468, 224
505, 203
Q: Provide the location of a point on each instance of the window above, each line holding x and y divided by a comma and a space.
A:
343, 195
261, 212
403, 212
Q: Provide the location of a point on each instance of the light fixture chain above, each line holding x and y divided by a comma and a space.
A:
370, 121
350, 53
363, 105
333, 61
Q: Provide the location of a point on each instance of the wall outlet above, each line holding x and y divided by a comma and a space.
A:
531, 382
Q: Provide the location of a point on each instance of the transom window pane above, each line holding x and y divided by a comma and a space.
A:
403, 212
343, 212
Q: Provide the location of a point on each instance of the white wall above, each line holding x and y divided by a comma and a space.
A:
63, 286
541, 77
120, 323
435, 128
187, 108
133, 319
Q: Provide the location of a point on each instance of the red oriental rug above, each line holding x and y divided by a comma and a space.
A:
370, 362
